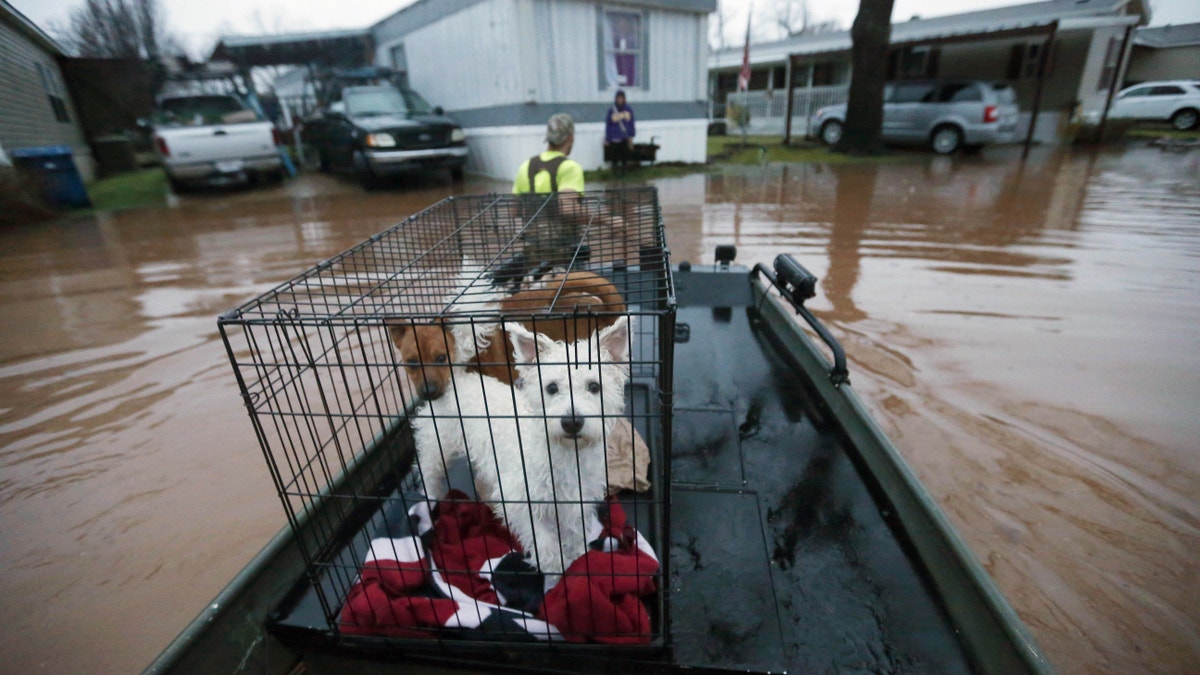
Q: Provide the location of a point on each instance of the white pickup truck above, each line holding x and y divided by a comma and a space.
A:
214, 138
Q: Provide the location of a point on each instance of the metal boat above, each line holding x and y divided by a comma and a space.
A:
792, 534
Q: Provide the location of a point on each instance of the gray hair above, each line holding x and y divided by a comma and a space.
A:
559, 128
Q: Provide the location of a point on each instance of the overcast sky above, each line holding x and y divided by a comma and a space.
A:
199, 23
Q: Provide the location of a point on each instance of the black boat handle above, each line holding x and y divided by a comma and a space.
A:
797, 284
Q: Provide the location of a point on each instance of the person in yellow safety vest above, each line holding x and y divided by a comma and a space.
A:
552, 170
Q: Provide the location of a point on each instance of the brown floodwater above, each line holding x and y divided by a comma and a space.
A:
1028, 334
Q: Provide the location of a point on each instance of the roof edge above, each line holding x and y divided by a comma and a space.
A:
23, 24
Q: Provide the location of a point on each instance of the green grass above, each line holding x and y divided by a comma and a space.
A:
759, 149
646, 172
731, 150
137, 189
1163, 132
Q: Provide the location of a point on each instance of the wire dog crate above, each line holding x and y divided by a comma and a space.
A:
448, 407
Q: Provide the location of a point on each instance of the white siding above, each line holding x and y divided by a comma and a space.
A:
500, 53
1091, 98
498, 151
26, 117
505, 52
470, 59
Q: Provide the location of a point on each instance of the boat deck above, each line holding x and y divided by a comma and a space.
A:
782, 556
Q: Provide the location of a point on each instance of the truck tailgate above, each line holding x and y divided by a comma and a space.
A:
218, 142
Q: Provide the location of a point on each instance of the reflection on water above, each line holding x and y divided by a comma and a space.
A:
1025, 333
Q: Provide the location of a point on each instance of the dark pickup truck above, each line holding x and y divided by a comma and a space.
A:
382, 130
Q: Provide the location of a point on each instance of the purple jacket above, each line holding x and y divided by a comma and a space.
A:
618, 124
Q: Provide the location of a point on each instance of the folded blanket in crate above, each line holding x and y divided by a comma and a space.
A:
463, 571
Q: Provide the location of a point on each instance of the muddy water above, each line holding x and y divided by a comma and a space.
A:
1025, 333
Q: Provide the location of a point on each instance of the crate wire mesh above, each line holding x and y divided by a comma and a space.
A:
333, 392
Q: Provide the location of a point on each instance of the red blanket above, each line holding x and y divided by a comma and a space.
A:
463, 571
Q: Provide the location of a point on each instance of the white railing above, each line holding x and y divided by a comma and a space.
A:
768, 109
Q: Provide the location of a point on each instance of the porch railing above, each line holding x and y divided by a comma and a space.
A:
768, 109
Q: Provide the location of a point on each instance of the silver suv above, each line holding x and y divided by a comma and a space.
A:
945, 114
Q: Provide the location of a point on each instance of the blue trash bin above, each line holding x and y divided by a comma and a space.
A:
53, 167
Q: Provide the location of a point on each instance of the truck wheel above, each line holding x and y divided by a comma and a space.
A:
456, 174
322, 162
177, 186
366, 177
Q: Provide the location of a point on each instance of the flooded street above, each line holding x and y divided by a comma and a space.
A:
1025, 333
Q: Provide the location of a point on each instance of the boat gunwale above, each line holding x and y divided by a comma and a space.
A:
977, 609
965, 587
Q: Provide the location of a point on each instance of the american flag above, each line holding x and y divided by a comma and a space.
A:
744, 73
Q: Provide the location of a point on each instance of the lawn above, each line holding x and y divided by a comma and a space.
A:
732, 150
1155, 132
137, 189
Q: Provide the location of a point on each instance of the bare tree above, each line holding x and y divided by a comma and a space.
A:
794, 17
119, 29
871, 34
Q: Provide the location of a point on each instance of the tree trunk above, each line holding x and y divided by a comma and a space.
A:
864, 108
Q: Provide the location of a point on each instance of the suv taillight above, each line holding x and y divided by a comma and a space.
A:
162, 146
278, 137
990, 114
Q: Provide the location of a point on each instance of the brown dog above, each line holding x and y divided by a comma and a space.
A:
427, 349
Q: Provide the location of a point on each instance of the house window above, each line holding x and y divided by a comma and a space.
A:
622, 49
1025, 61
914, 63
399, 60
1108, 72
822, 74
54, 91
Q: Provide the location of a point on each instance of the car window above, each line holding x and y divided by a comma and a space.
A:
959, 92
416, 104
1166, 90
1140, 91
375, 102
1004, 93
205, 106
913, 92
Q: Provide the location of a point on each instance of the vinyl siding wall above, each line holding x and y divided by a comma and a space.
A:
1168, 63
503, 66
26, 116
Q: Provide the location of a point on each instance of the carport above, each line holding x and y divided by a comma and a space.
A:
902, 38
331, 48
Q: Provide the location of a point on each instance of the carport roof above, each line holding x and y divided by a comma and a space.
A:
1030, 18
1164, 37
349, 47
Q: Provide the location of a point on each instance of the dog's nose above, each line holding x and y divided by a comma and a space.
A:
431, 391
572, 425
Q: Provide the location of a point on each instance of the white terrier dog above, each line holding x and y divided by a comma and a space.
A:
537, 448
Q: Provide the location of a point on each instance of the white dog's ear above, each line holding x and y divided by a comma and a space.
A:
524, 343
527, 345
614, 340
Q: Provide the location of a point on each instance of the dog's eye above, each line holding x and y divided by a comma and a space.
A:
593, 387
441, 358
552, 388
414, 362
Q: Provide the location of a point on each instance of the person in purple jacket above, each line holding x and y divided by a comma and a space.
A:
619, 127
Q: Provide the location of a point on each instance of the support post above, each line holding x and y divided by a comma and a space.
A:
787, 123
1041, 84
